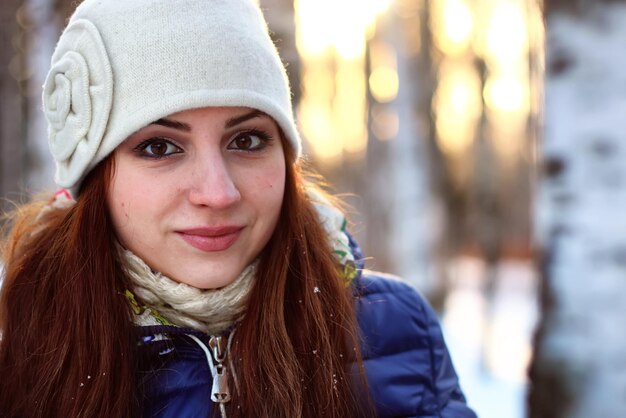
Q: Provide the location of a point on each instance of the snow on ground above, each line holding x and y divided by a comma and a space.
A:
490, 344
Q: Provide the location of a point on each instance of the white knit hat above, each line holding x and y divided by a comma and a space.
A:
122, 64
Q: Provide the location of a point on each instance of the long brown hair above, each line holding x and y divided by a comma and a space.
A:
67, 344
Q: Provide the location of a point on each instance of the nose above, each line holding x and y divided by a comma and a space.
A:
213, 184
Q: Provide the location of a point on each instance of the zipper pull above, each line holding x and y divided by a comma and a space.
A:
217, 344
220, 392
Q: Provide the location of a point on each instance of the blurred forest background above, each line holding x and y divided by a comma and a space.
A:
423, 114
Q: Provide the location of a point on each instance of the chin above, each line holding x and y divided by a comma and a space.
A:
208, 283
210, 275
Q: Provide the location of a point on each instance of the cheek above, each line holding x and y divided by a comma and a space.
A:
270, 183
271, 186
118, 208
264, 190
125, 201
131, 190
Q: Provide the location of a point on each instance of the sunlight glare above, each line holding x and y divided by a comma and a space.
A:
315, 123
457, 106
454, 24
331, 39
506, 94
506, 35
310, 17
349, 109
383, 81
384, 84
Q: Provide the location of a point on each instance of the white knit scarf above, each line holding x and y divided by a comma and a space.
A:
211, 311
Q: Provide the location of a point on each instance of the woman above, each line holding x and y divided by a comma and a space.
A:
186, 268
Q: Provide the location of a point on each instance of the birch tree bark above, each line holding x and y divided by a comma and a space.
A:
579, 366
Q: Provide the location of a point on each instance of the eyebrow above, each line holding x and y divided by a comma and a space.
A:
234, 121
172, 124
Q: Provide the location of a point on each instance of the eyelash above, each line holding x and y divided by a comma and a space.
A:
264, 137
141, 148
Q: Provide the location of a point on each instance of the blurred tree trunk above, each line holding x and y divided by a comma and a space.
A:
578, 369
11, 109
29, 30
439, 186
280, 16
45, 21
398, 213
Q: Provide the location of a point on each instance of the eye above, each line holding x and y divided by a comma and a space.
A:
249, 141
157, 148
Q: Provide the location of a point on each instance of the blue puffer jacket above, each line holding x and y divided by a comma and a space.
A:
408, 367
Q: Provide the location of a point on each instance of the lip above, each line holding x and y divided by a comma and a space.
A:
211, 239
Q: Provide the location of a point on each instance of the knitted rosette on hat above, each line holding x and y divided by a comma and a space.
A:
77, 99
121, 65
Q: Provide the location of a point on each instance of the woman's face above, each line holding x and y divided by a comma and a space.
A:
198, 194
